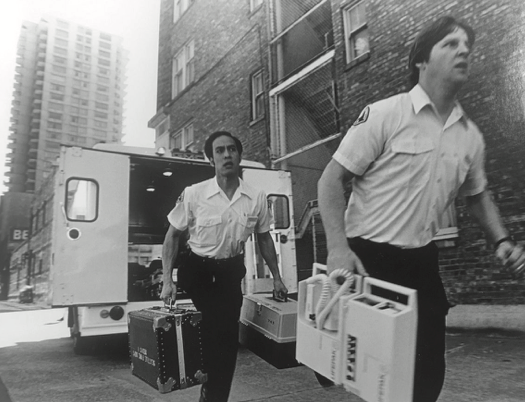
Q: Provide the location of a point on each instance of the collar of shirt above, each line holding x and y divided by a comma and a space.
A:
214, 189
420, 99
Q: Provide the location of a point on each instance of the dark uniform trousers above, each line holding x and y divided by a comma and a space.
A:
214, 285
416, 269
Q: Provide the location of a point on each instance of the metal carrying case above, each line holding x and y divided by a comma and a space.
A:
268, 329
166, 347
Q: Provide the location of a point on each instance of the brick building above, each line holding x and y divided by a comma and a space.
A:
289, 77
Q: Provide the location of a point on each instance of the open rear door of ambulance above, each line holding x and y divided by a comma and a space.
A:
90, 228
277, 184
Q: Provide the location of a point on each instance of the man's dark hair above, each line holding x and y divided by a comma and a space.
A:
208, 145
429, 36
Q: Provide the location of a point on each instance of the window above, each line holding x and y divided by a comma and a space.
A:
58, 88
103, 80
183, 69
179, 7
99, 133
61, 42
81, 200
105, 37
104, 62
254, 4
105, 45
61, 33
58, 78
54, 136
59, 70
257, 96
101, 115
102, 97
103, 71
356, 32
55, 116
101, 124
57, 97
182, 139
54, 126
102, 88
55, 106
59, 50
280, 208
163, 127
102, 53
99, 105
59, 60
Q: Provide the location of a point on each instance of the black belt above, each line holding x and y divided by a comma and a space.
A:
218, 261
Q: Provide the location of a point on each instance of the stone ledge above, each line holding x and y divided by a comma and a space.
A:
500, 317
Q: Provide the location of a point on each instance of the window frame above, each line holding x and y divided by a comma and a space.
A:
255, 96
179, 12
183, 68
97, 199
350, 32
183, 133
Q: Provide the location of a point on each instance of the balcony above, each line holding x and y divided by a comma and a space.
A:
35, 131
40, 73
12, 145
33, 142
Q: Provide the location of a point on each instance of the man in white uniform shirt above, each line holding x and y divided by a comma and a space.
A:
219, 214
408, 157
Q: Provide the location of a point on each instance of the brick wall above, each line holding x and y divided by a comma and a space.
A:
493, 99
230, 45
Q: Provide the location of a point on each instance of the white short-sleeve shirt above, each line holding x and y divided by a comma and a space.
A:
409, 168
219, 227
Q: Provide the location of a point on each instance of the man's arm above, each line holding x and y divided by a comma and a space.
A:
483, 209
332, 205
268, 252
170, 249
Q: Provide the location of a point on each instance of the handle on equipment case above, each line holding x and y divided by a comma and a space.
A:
343, 289
391, 291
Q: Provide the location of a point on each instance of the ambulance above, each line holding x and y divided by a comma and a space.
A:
109, 203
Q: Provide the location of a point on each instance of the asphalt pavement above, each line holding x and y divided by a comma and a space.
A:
37, 364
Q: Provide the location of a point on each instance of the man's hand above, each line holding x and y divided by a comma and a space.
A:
344, 258
512, 256
280, 291
169, 292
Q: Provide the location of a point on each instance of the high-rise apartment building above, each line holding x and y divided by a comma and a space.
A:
69, 89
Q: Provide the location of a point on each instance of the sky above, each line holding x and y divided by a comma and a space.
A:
136, 21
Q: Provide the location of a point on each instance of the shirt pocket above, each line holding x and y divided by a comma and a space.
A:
208, 230
247, 227
414, 156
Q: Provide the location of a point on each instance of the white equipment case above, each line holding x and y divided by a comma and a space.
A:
268, 328
372, 352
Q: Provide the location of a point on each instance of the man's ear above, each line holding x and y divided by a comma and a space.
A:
420, 65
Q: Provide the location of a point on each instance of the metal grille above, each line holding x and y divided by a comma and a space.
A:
306, 112
286, 12
309, 37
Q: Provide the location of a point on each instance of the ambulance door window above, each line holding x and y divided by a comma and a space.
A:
280, 208
81, 200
